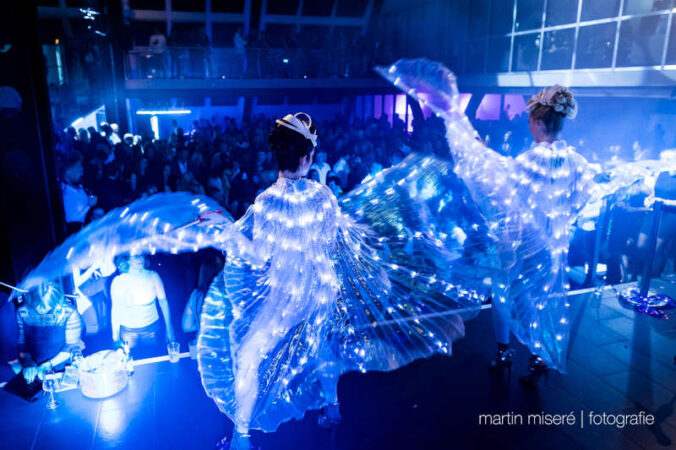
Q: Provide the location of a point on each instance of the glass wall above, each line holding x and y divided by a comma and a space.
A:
536, 35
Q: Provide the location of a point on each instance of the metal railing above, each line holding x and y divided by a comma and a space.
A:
642, 298
205, 62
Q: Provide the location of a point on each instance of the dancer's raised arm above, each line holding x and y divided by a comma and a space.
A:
486, 173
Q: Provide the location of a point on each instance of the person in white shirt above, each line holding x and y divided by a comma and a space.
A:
76, 202
115, 134
321, 166
135, 296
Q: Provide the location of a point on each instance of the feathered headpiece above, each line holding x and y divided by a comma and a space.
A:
560, 98
297, 123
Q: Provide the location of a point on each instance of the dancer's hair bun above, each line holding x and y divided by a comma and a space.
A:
559, 98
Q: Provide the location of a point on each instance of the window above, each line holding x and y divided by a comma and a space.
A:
595, 46
642, 41
526, 52
557, 53
600, 9
646, 6
561, 12
529, 14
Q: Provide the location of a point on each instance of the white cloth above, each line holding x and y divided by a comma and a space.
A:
75, 203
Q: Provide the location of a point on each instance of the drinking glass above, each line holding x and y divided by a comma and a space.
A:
76, 357
173, 349
49, 386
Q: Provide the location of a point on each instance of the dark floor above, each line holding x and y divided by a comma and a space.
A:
620, 362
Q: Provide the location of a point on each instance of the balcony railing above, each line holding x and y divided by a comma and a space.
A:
225, 63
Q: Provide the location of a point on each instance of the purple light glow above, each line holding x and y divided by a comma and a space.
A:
515, 105
489, 109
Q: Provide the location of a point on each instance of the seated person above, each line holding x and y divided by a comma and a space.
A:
135, 296
48, 329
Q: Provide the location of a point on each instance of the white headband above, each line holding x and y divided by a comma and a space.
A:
293, 122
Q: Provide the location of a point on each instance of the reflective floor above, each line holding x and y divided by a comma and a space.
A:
620, 362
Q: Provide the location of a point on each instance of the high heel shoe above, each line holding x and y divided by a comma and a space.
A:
502, 361
536, 370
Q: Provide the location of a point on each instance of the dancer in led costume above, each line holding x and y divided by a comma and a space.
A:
311, 289
529, 202
320, 293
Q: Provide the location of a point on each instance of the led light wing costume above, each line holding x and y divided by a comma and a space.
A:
529, 202
324, 293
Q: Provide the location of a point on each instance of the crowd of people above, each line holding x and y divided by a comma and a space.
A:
101, 170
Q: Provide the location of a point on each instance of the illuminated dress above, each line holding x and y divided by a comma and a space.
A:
529, 204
